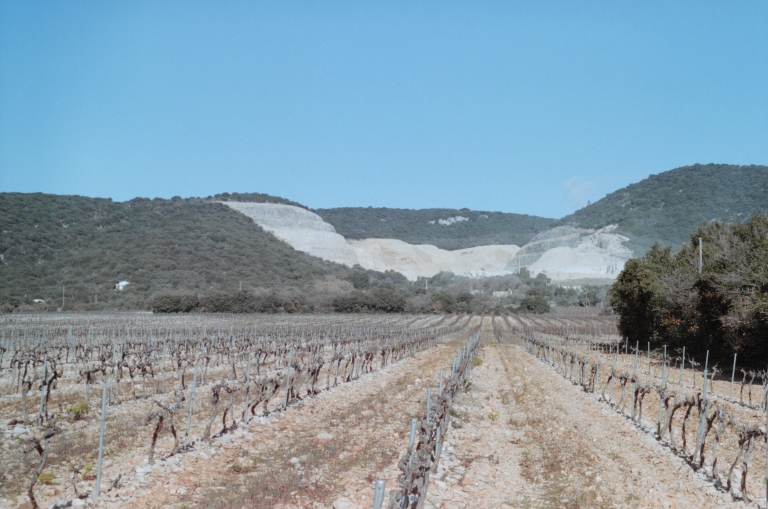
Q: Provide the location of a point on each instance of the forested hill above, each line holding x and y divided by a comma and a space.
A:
667, 206
255, 198
89, 244
444, 228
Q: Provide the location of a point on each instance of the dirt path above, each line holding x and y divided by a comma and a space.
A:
526, 437
521, 437
328, 447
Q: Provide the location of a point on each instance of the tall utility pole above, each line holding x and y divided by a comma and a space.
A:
62, 296
241, 286
700, 258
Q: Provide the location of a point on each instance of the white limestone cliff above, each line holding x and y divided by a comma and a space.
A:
561, 253
303, 230
565, 253
424, 260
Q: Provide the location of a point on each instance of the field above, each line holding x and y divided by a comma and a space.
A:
147, 371
291, 411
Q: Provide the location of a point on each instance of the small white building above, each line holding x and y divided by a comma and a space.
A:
38, 301
121, 285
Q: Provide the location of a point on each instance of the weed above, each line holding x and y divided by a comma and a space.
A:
89, 472
493, 415
454, 413
477, 362
46, 478
79, 409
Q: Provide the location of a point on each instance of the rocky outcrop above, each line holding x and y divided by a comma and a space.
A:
561, 253
562, 236
566, 252
302, 229
414, 261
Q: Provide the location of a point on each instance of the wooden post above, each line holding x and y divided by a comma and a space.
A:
97, 489
733, 374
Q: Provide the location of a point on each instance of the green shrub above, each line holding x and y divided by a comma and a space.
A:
238, 302
534, 304
79, 409
378, 300
174, 303
46, 478
663, 298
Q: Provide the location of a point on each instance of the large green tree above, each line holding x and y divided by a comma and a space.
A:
723, 309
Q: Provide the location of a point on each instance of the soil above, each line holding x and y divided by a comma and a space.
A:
526, 437
522, 436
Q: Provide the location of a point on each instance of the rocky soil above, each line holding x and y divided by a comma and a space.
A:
326, 451
526, 437
521, 437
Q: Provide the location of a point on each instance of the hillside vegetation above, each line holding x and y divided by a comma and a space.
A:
255, 198
89, 244
185, 255
467, 228
664, 208
662, 298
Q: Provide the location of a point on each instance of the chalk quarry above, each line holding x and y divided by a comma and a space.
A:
563, 253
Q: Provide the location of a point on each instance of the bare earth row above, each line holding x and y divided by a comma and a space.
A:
521, 436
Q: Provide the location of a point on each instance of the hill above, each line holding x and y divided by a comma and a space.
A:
445, 228
255, 198
89, 244
667, 206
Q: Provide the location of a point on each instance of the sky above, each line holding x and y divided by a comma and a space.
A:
527, 107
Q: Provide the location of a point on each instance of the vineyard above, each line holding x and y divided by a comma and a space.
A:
713, 420
82, 393
356, 411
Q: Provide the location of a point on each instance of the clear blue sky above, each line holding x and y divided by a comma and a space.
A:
531, 107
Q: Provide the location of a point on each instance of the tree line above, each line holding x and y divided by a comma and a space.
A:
720, 306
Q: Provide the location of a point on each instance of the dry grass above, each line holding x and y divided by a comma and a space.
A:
557, 464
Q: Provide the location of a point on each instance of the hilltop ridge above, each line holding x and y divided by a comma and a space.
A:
665, 207
200, 245
89, 244
449, 229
